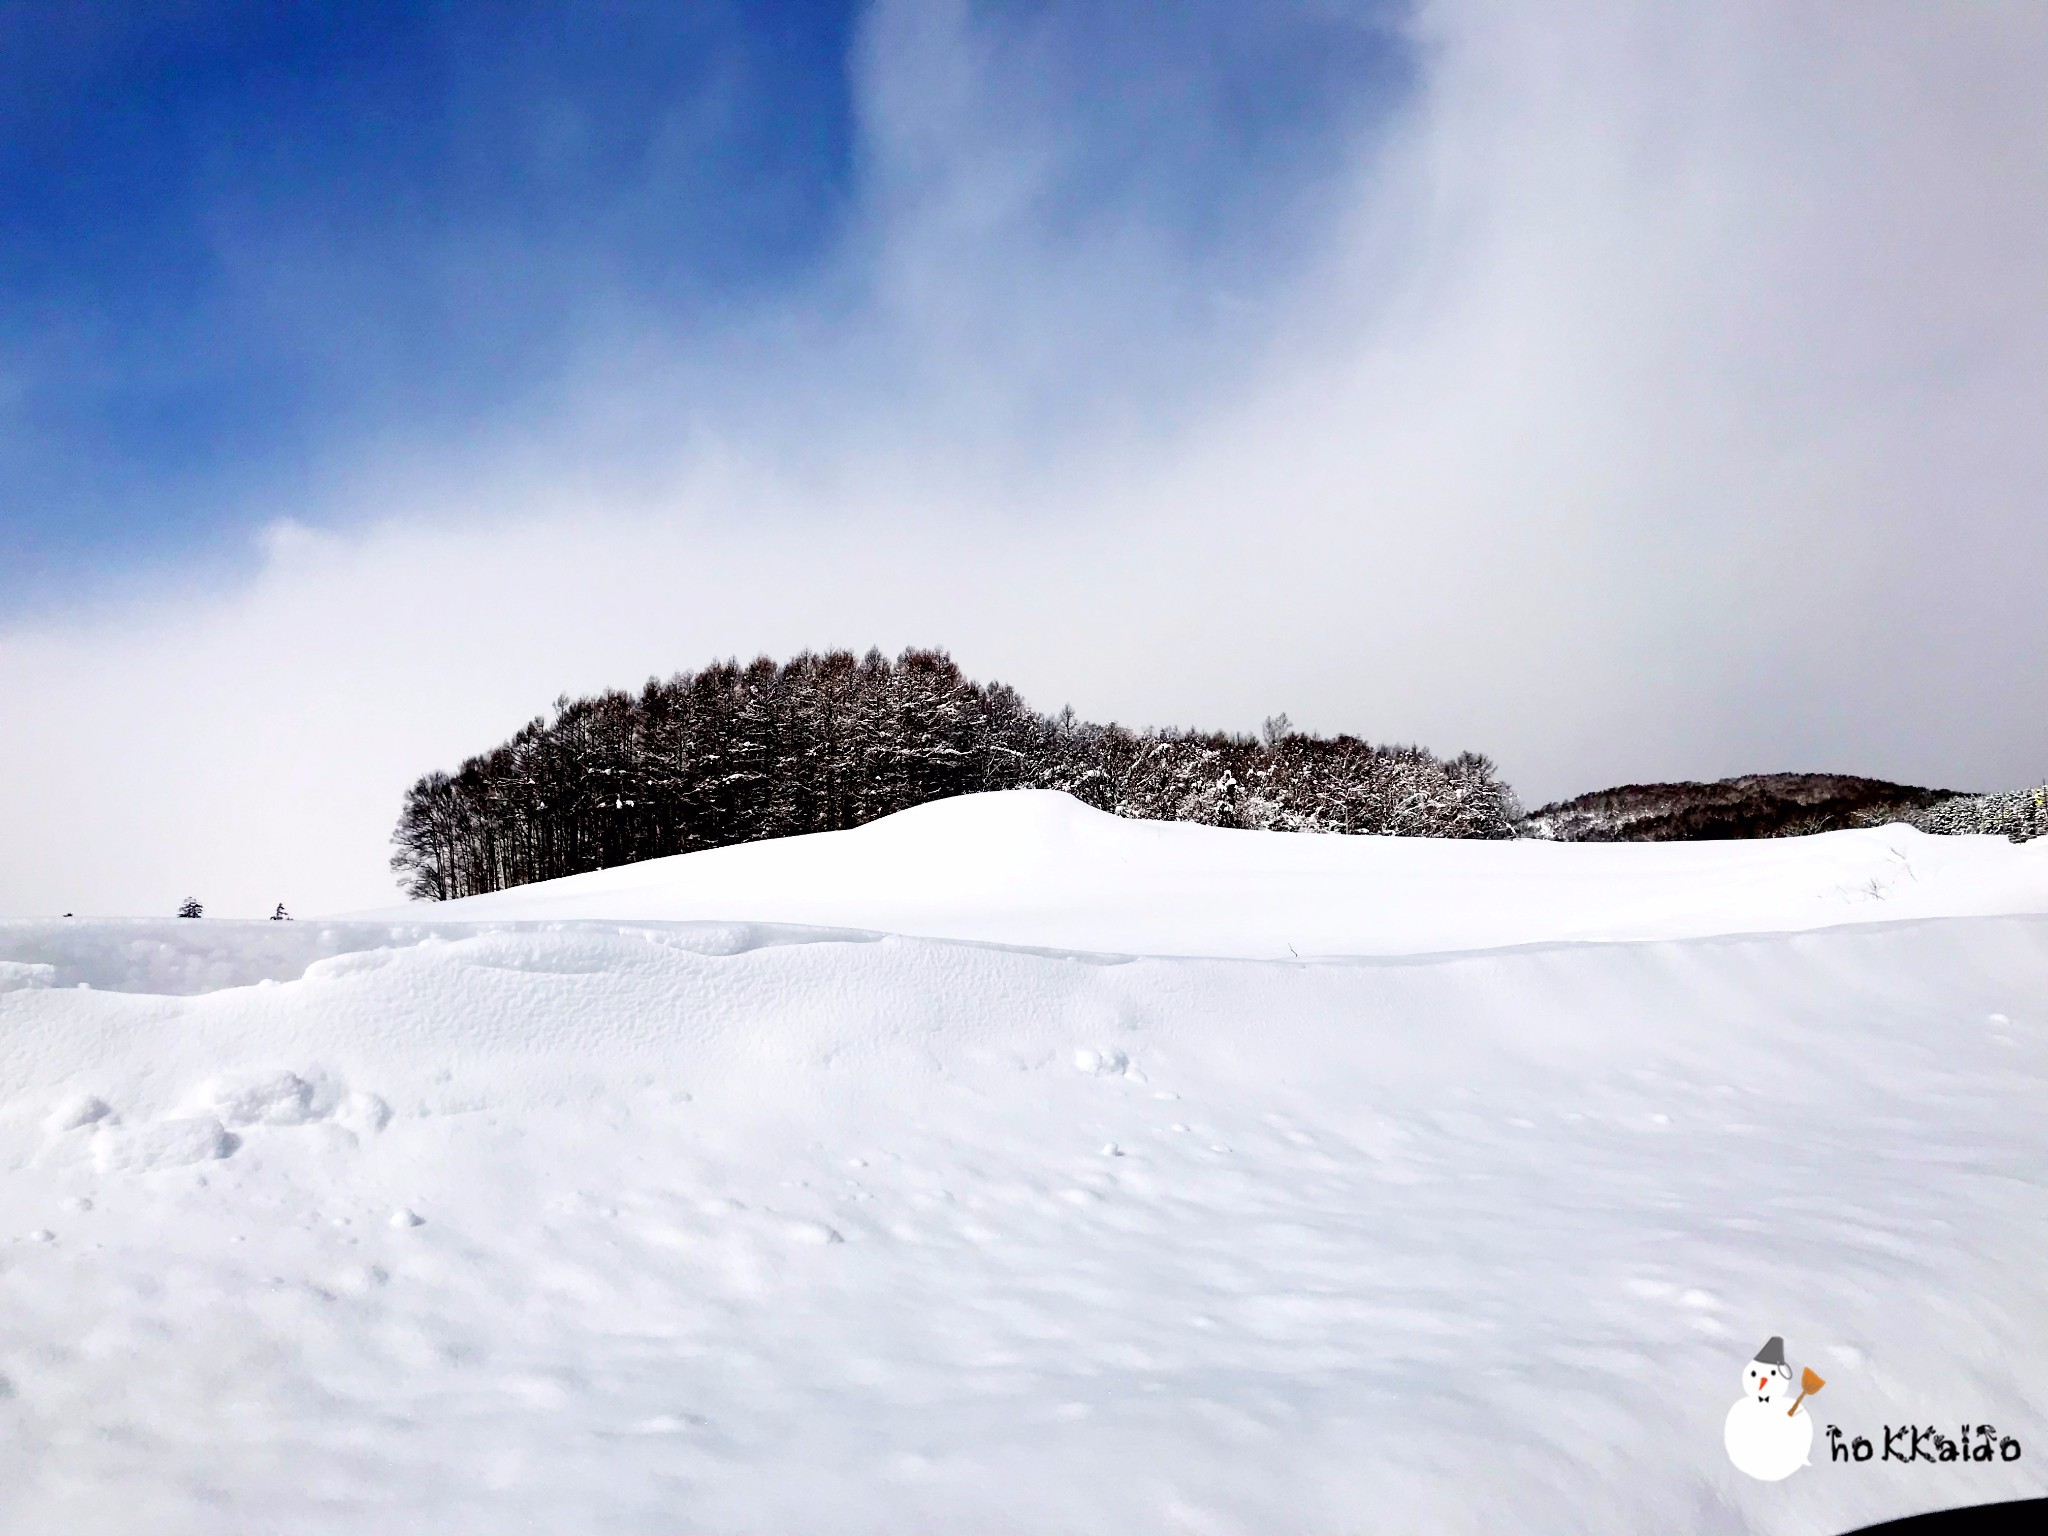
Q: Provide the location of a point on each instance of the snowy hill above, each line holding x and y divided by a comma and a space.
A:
612, 1206
1032, 867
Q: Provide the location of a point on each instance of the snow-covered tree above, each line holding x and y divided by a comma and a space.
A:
190, 907
2018, 814
732, 753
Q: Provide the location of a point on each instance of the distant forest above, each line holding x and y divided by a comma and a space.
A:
1755, 805
1782, 805
733, 753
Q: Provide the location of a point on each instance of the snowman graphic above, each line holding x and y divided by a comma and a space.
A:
1765, 1438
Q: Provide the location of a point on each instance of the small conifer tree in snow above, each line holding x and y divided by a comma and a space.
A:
190, 907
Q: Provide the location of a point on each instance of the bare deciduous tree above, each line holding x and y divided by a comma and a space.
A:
730, 754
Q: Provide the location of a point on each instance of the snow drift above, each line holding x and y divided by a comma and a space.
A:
1034, 867
576, 1217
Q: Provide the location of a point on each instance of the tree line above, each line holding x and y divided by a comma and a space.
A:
1782, 805
732, 753
2018, 815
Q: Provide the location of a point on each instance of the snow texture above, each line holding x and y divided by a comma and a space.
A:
581, 1219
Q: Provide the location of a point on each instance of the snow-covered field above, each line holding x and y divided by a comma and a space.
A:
623, 1205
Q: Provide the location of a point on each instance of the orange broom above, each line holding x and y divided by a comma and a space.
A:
1808, 1385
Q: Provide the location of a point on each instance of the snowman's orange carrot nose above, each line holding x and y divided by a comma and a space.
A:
1808, 1385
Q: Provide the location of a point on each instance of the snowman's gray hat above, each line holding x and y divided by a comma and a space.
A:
1773, 1352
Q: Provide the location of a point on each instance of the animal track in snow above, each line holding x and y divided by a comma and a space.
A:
363, 1113
811, 1234
275, 1097
361, 1279
77, 1113
162, 1144
268, 1098
207, 1128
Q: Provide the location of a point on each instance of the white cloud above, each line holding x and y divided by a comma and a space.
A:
1663, 398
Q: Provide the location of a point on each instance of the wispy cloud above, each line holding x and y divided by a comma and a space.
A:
1626, 392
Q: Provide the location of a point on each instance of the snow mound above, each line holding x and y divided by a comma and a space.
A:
1039, 869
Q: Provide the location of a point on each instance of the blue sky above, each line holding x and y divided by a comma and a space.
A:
1626, 390
244, 242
